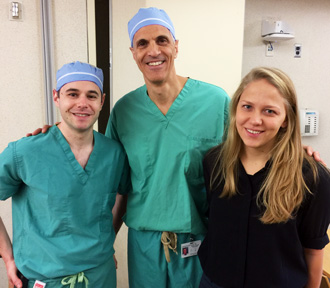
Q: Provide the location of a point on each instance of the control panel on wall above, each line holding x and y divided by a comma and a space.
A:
309, 122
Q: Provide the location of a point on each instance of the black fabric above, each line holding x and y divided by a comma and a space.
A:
239, 251
25, 281
207, 283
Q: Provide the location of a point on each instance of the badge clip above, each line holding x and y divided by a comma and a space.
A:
39, 284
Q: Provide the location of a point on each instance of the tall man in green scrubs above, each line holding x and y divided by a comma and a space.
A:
63, 186
165, 126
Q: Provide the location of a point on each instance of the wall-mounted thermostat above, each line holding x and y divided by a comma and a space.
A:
309, 122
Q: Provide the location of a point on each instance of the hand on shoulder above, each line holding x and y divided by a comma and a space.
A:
44, 129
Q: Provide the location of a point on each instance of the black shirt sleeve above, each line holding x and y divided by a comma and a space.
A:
315, 211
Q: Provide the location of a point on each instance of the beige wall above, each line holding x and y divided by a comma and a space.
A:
126, 75
311, 22
22, 103
210, 35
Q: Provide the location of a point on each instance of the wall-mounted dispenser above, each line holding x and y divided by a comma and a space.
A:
274, 31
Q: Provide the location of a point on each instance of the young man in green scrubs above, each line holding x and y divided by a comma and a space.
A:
63, 186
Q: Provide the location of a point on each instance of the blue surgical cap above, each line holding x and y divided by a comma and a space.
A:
78, 71
149, 16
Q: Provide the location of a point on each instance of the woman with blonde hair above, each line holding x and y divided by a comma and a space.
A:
269, 202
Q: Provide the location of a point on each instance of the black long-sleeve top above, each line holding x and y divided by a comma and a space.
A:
240, 251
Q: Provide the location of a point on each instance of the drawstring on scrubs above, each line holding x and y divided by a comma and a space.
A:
169, 240
73, 279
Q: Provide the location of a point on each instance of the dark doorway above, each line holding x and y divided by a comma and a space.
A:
102, 21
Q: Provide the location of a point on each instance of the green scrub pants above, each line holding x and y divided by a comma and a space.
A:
103, 276
147, 266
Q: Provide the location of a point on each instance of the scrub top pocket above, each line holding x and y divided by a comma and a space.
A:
196, 150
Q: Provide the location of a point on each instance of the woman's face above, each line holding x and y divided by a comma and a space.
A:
260, 114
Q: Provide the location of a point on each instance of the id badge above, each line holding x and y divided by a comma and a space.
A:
190, 249
39, 284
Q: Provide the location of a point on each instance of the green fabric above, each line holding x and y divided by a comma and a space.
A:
103, 276
62, 218
165, 155
73, 279
148, 266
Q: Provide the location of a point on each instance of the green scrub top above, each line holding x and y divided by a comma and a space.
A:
165, 154
62, 218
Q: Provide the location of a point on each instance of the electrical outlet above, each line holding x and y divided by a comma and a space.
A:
269, 50
297, 50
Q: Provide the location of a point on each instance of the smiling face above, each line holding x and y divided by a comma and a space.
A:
260, 114
154, 51
80, 103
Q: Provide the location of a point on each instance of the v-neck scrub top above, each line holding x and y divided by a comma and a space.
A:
165, 155
239, 251
62, 218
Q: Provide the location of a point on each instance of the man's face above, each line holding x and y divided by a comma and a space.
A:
80, 103
154, 51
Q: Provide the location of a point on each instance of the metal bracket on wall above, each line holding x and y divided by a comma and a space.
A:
48, 59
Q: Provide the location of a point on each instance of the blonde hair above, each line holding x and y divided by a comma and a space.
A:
284, 188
